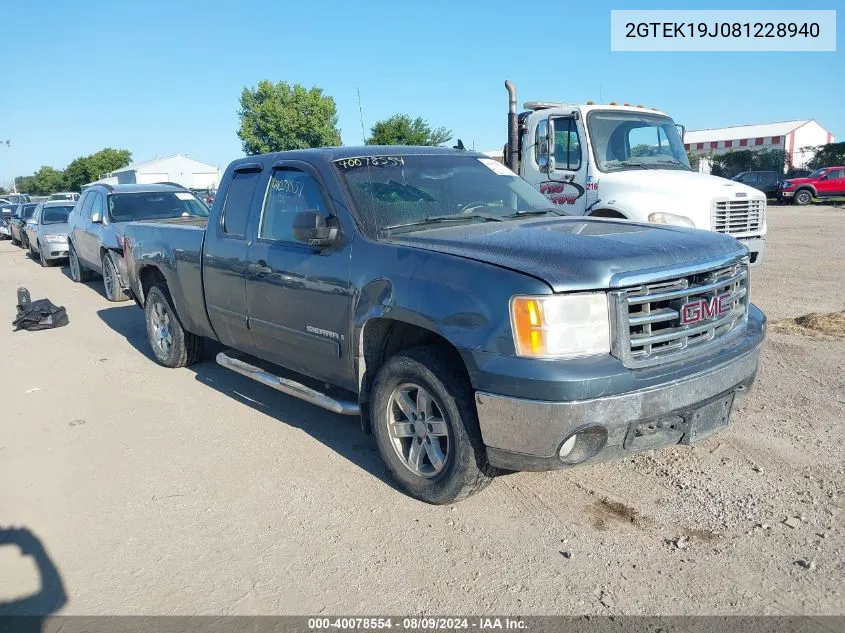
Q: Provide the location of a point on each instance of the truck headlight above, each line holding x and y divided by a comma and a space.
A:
561, 326
670, 218
58, 239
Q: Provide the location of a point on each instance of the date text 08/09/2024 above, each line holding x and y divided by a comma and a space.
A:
417, 623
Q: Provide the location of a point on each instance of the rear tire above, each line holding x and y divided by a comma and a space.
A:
453, 442
803, 197
111, 280
78, 272
172, 345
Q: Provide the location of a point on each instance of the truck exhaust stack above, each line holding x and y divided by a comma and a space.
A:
512, 149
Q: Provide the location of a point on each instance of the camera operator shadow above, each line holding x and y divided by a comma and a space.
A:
27, 613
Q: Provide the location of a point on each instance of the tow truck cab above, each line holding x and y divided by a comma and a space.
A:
627, 161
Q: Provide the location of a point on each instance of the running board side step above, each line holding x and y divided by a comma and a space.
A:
285, 385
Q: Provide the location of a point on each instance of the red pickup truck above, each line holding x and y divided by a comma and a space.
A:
822, 183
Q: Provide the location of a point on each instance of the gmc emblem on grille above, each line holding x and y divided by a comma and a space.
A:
702, 309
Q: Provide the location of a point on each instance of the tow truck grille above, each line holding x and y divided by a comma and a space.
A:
738, 216
673, 319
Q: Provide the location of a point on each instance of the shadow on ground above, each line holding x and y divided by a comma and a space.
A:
27, 613
96, 284
341, 433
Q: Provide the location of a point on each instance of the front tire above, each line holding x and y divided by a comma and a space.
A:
78, 272
172, 345
426, 427
111, 280
803, 197
41, 259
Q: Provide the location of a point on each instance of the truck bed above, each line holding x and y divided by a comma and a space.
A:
174, 246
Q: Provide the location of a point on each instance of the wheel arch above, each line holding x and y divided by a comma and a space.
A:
382, 337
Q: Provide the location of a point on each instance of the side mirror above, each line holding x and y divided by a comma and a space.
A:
310, 227
97, 218
546, 140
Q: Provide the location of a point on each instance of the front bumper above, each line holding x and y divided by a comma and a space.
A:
756, 247
55, 250
524, 434
785, 194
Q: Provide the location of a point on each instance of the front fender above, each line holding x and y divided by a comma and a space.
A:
463, 301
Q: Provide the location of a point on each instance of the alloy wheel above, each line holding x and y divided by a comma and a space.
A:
418, 432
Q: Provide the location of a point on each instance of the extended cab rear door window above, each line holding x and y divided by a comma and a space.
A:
238, 202
290, 191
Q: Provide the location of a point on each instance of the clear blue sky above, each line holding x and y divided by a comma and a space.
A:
159, 78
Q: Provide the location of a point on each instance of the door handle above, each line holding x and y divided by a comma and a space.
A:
260, 268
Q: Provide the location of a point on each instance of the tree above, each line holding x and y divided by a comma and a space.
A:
45, 181
85, 169
827, 155
694, 159
278, 117
731, 163
3, 191
400, 129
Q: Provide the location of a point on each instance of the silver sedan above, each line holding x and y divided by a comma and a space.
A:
46, 231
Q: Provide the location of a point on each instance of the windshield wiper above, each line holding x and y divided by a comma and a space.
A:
433, 219
542, 211
673, 161
625, 163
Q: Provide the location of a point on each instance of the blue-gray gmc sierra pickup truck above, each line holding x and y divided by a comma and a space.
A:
474, 328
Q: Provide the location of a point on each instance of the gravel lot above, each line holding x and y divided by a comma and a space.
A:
190, 491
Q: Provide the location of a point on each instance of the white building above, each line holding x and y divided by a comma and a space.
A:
795, 138
177, 168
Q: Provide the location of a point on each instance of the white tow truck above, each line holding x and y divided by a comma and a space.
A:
624, 161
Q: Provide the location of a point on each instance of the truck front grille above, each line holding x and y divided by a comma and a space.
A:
738, 216
672, 319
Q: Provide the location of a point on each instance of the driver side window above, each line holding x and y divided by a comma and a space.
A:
96, 206
567, 145
290, 191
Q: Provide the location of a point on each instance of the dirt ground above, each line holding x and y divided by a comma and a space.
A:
191, 491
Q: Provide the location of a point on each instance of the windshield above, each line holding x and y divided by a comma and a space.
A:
816, 173
631, 140
62, 196
412, 192
55, 215
154, 205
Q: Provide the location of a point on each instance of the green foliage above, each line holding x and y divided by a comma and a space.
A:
400, 129
80, 171
694, 159
644, 150
86, 169
278, 117
45, 181
3, 191
732, 163
832, 154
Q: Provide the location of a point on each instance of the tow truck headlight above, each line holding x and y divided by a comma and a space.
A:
58, 239
561, 326
671, 218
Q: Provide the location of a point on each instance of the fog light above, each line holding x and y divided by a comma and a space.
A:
581, 446
567, 446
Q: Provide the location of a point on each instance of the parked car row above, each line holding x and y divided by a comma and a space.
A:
827, 182
88, 232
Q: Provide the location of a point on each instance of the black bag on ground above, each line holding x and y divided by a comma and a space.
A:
38, 315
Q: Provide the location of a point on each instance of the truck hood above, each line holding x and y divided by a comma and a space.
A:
800, 181
690, 183
576, 253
